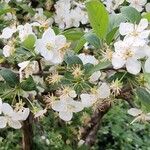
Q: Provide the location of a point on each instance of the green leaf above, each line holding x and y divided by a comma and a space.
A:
115, 20
93, 40
73, 60
98, 17
29, 42
73, 34
80, 44
10, 77
26, 8
147, 16
144, 97
5, 8
99, 66
131, 14
110, 36
28, 84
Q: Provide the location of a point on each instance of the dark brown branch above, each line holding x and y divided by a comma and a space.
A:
27, 139
89, 132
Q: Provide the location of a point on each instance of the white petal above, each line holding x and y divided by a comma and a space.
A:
40, 46
104, 91
21, 115
133, 66
142, 25
147, 65
65, 115
3, 122
23, 65
117, 61
146, 49
144, 34
95, 76
147, 7
0, 105
48, 35
14, 124
60, 41
126, 28
59, 106
7, 51
88, 59
74, 106
134, 112
7, 109
87, 100
7, 32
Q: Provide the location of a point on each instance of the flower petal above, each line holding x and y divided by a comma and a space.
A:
48, 35
133, 66
7, 109
134, 112
142, 25
126, 28
104, 91
87, 100
147, 65
14, 124
65, 115
117, 61
3, 122
59, 105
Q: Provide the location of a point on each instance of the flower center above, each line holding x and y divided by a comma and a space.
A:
128, 53
70, 107
49, 46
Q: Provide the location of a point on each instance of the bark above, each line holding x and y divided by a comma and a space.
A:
27, 138
90, 129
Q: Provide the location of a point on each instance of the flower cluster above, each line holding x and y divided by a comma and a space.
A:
132, 48
12, 117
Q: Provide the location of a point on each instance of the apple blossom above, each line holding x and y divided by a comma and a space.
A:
11, 117
66, 108
135, 33
102, 92
127, 55
137, 4
52, 47
8, 32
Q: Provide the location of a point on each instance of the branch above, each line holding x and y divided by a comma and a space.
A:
27, 139
89, 132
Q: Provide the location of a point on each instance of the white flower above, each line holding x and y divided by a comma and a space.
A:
94, 77
12, 118
52, 47
8, 50
128, 55
140, 116
66, 108
102, 92
69, 14
88, 59
112, 5
136, 33
24, 31
137, 4
8, 32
